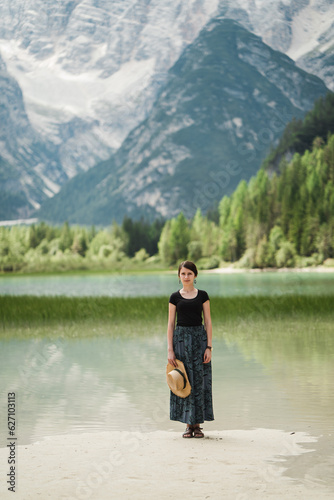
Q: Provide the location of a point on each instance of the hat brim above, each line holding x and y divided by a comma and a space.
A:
183, 393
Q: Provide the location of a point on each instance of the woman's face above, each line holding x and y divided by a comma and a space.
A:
187, 276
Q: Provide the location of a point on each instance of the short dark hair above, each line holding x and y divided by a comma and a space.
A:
188, 265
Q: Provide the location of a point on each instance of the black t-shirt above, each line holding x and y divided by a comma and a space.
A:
189, 311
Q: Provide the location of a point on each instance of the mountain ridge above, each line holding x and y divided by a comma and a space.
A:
24, 157
91, 71
227, 99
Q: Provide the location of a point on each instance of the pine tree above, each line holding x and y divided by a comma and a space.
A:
66, 238
164, 244
179, 237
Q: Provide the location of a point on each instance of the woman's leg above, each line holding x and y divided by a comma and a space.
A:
188, 433
197, 432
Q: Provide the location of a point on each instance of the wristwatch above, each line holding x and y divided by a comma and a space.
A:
209, 347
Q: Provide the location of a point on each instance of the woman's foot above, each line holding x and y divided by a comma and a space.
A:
197, 433
188, 432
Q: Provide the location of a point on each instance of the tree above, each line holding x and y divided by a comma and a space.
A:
323, 241
285, 257
179, 237
224, 211
80, 245
32, 239
276, 238
100, 239
66, 238
164, 244
197, 226
141, 234
261, 254
195, 250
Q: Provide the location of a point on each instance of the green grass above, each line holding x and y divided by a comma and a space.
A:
134, 270
90, 316
29, 310
72, 264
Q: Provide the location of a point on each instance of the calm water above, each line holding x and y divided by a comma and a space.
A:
245, 283
89, 385
94, 384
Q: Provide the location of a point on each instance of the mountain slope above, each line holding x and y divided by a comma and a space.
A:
299, 135
90, 71
227, 99
29, 167
302, 29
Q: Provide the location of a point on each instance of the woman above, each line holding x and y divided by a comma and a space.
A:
191, 342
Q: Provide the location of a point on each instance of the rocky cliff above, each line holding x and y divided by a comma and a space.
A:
30, 170
90, 71
226, 100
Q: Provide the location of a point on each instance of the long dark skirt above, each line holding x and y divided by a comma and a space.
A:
189, 343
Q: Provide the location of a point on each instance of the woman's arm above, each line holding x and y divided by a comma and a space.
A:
208, 328
170, 333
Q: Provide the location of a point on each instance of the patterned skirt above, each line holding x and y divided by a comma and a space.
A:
189, 343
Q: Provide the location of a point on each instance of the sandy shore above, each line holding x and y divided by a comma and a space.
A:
237, 464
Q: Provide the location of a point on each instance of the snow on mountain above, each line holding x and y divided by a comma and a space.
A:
227, 98
308, 27
302, 29
91, 70
104, 62
30, 170
95, 65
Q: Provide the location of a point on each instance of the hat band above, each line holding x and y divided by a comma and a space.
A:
184, 378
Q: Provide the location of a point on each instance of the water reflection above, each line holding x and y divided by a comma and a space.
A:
300, 364
78, 385
127, 285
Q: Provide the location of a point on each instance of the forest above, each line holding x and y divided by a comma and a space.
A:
282, 218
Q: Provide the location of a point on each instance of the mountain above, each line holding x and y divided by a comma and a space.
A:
302, 29
90, 71
227, 98
29, 168
320, 60
299, 135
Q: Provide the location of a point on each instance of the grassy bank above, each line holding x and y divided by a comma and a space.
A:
124, 267
81, 316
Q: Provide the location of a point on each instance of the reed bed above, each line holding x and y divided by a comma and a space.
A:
32, 311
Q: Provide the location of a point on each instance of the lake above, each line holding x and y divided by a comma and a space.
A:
80, 385
134, 285
280, 378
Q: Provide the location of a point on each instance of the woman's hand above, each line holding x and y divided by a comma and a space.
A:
207, 356
172, 357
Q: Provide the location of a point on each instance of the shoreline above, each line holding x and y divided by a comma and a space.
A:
232, 270
231, 464
121, 272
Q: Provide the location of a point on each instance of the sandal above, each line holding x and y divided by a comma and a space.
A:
197, 432
188, 432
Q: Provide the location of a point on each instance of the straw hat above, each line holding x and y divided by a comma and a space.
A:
177, 379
